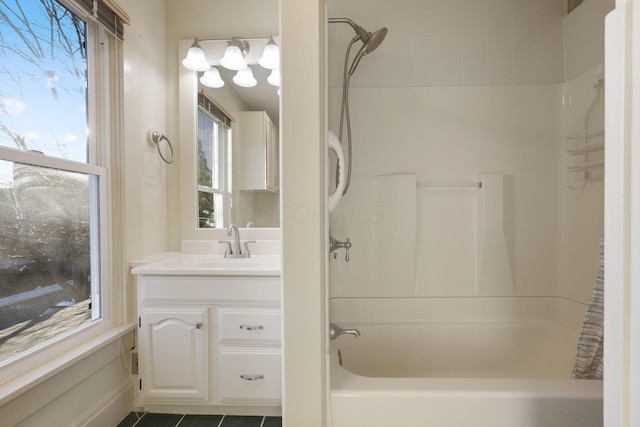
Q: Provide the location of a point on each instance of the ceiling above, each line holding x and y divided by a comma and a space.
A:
263, 96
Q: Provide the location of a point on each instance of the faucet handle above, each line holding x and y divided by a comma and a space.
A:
246, 247
336, 244
228, 249
347, 246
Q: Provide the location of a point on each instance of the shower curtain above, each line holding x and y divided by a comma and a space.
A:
588, 363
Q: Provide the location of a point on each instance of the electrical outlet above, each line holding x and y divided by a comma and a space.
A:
134, 363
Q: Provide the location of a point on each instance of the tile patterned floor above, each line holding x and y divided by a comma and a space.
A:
139, 419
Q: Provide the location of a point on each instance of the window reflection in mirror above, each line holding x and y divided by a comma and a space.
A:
214, 165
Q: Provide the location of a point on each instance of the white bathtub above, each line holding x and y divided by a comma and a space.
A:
459, 362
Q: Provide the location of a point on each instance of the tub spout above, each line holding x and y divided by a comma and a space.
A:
335, 331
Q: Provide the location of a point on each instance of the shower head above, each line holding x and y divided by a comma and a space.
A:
370, 41
369, 44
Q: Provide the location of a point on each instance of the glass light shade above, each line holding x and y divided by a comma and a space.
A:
270, 56
274, 77
245, 78
233, 59
211, 78
195, 59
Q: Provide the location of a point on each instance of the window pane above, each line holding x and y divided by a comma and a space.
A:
204, 149
206, 212
48, 254
215, 155
43, 79
218, 200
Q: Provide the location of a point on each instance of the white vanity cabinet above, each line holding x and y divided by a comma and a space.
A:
258, 142
209, 340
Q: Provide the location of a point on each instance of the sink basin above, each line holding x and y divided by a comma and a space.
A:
257, 265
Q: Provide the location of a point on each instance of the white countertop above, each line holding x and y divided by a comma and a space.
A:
212, 265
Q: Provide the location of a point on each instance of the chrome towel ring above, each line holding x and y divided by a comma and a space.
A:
156, 137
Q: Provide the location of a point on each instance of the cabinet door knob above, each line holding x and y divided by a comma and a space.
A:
199, 325
251, 328
251, 377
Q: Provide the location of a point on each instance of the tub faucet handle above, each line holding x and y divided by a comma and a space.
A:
335, 244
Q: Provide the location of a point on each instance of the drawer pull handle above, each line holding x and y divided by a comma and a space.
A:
251, 377
199, 325
251, 328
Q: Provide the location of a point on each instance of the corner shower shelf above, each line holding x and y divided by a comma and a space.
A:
585, 142
587, 149
584, 167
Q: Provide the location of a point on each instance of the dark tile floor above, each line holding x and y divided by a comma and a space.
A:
140, 419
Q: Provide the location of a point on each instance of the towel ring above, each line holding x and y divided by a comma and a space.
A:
156, 137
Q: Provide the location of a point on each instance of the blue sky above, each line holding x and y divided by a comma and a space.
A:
42, 97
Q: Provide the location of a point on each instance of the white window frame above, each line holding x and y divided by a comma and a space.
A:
224, 178
104, 91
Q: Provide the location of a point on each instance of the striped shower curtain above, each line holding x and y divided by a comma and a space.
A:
588, 363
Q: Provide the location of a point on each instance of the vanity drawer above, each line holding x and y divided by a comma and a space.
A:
249, 324
245, 377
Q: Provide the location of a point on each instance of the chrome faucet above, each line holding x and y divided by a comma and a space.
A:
335, 244
234, 248
335, 331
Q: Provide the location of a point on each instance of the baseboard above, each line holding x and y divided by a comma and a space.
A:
113, 410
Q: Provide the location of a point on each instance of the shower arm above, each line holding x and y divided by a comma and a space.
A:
361, 32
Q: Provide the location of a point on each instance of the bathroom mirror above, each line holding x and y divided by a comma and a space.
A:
219, 195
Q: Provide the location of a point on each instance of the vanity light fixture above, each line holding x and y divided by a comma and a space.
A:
196, 59
245, 78
211, 78
234, 54
270, 56
274, 77
237, 57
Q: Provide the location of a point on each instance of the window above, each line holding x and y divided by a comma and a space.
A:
56, 76
214, 165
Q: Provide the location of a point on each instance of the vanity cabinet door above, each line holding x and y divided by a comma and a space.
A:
174, 355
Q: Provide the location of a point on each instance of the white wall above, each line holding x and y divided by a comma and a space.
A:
304, 227
463, 88
145, 183
584, 37
457, 134
580, 202
95, 391
453, 42
581, 210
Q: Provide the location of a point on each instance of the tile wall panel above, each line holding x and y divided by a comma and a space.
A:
452, 42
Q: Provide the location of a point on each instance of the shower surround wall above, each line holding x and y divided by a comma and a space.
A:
463, 88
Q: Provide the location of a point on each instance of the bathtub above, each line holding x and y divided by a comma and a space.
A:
459, 362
